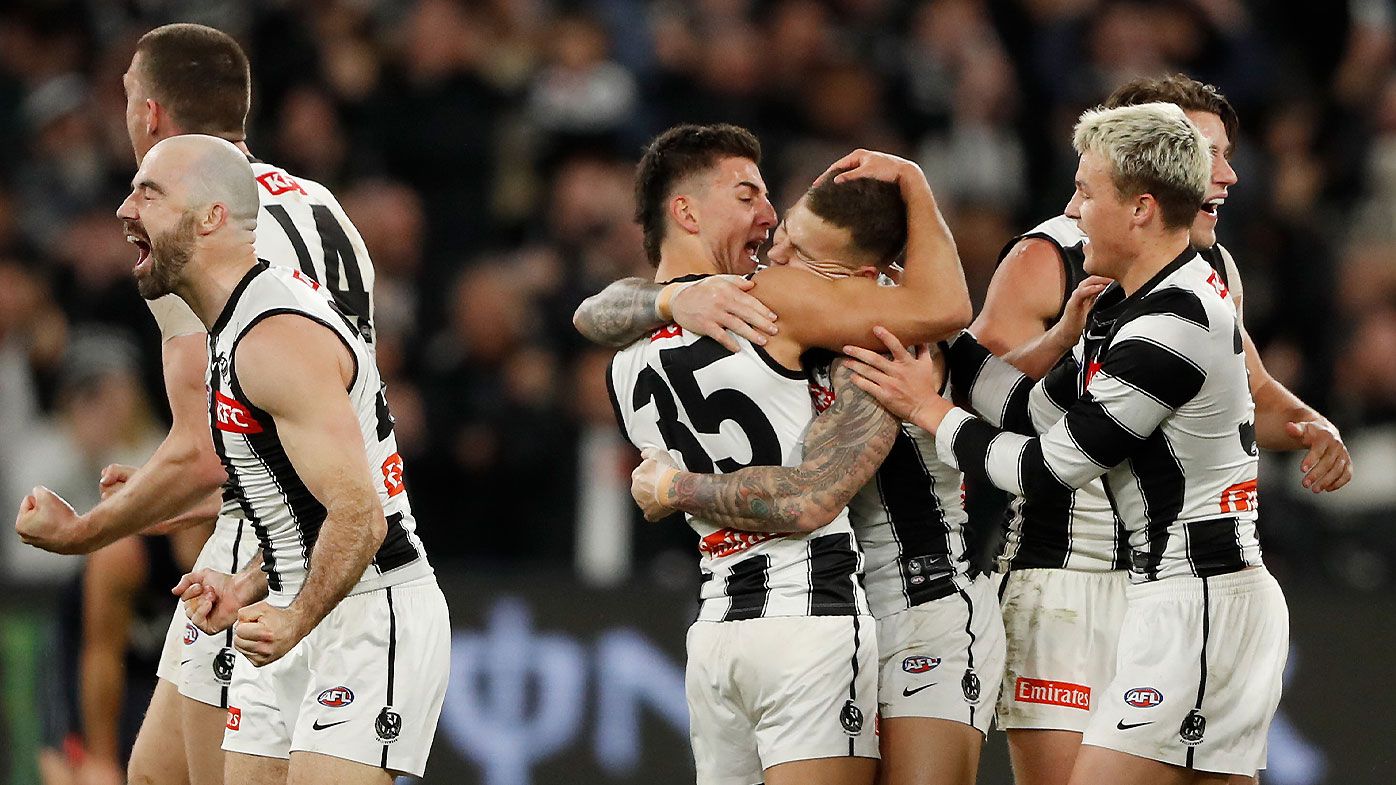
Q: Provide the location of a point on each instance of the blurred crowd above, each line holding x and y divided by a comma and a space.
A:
484, 148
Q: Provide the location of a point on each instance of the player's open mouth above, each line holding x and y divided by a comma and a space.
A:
142, 248
753, 249
1211, 206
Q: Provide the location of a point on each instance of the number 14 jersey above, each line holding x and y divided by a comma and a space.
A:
715, 411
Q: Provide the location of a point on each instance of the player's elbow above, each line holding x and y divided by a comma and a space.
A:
377, 531
955, 318
584, 324
813, 517
199, 465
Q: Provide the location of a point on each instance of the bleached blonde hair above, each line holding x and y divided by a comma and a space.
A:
1152, 149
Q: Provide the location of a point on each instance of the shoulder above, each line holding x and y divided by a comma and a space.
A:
1177, 302
282, 355
780, 285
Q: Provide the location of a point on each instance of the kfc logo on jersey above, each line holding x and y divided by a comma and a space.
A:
1143, 697
1217, 283
234, 718
920, 664
335, 697
233, 417
392, 475
278, 182
1052, 693
1240, 497
191, 634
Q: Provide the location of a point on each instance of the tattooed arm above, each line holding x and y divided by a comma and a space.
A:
620, 313
843, 449
631, 308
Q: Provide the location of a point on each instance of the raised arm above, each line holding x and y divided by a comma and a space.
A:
843, 449
1145, 376
182, 472
297, 372
631, 308
930, 304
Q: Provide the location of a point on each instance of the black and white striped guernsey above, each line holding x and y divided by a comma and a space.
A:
263, 486
1155, 397
716, 411
909, 519
1077, 530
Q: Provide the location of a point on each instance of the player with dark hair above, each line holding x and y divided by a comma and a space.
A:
188, 78
795, 584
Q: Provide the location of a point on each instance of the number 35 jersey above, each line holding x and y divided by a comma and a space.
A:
715, 411
264, 488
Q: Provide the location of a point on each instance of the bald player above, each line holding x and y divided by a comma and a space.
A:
351, 641
188, 78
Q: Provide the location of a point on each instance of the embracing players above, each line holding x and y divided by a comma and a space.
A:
1153, 397
806, 718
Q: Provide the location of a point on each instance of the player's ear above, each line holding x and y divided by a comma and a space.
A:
684, 212
153, 116
215, 216
867, 271
1145, 208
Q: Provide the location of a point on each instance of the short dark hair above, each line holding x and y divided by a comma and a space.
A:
872, 211
1187, 93
200, 75
677, 153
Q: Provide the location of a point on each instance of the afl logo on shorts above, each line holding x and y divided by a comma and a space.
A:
969, 684
191, 634
851, 718
388, 725
1143, 697
223, 666
1194, 725
920, 664
335, 697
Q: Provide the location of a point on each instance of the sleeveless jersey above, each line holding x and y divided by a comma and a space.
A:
909, 519
716, 411
301, 225
1077, 531
263, 486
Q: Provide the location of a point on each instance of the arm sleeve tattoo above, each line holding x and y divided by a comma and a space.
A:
843, 449
619, 314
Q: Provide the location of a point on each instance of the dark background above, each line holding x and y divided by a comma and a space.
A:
485, 148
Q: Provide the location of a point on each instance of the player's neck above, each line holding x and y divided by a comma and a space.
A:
1155, 254
677, 259
211, 276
